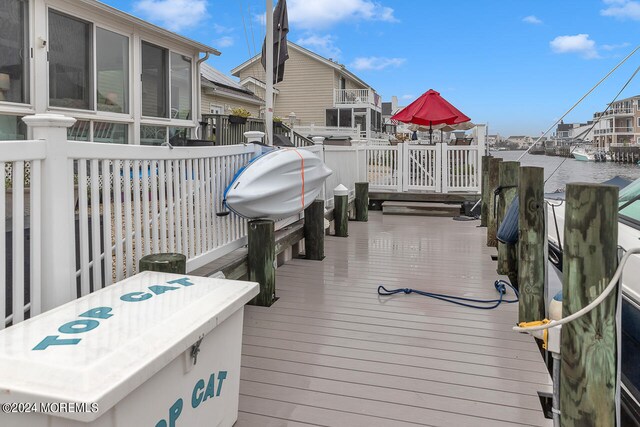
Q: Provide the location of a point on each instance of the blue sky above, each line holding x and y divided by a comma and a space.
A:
517, 65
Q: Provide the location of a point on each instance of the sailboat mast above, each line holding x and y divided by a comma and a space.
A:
268, 112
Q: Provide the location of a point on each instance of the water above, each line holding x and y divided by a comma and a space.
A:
572, 170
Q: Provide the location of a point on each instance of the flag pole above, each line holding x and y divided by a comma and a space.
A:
268, 113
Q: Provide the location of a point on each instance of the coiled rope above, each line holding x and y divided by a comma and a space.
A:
500, 285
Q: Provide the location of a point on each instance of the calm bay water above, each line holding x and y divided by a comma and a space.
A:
572, 170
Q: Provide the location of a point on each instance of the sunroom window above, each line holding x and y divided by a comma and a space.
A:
12, 128
70, 41
154, 81
14, 51
180, 87
112, 63
71, 69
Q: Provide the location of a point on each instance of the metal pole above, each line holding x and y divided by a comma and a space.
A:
268, 113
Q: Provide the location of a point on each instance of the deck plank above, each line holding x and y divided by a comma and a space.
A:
332, 352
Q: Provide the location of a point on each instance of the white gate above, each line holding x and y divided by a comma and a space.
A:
439, 168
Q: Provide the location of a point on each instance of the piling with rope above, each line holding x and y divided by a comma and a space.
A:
492, 225
589, 347
507, 192
531, 239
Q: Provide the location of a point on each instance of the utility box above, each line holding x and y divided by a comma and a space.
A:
157, 349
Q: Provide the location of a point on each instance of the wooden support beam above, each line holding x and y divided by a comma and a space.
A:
486, 191
588, 357
164, 263
314, 231
362, 201
507, 256
492, 227
261, 257
531, 261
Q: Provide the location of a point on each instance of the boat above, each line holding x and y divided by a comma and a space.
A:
628, 237
277, 184
588, 154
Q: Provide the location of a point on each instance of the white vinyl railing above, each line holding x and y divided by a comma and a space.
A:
319, 130
432, 168
348, 166
133, 201
83, 214
352, 96
20, 218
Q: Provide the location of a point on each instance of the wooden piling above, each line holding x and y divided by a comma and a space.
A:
588, 357
486, 191
494, 172
531, 229
362, 201
260, 258
314, 231
507, 255
164, 262
341, 211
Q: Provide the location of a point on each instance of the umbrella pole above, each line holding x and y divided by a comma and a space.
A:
430, 134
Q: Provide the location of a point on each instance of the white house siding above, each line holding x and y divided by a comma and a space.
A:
307, 88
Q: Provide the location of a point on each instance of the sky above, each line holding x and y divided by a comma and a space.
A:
517, 65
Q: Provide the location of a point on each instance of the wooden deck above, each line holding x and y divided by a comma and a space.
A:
331, 352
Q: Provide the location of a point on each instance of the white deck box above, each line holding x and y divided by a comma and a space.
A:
124, 356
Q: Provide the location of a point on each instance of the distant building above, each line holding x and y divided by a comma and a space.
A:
318, 90
619, 124
220, 94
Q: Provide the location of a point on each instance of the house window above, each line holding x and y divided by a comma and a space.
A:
178, 136
343, 83
69, 62
153, 135
112, 63
12, 128
215, 109
112, 133
332, 117
639, 122
180, 87
14, 45
345, 118
154, 81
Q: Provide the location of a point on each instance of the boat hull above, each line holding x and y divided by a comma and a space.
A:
277, 184
583, 157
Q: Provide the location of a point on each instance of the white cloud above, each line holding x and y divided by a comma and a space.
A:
531, 19
224, 41
580, 44
408, 96
622, 9
221, 29
314, 14
172, 14
610, 47
376, 63
322, 45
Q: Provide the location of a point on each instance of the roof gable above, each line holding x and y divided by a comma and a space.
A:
329, 63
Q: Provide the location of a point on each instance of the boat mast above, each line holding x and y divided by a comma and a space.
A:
268, 113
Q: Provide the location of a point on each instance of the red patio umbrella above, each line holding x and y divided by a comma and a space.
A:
430, 109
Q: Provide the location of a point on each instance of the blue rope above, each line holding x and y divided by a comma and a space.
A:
500, 285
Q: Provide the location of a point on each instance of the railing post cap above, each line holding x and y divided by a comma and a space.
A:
49, 121
341, 190
318, 140
254, 135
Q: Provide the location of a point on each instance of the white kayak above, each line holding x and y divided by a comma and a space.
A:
277, 184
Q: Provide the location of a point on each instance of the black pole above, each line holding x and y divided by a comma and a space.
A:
430, 133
